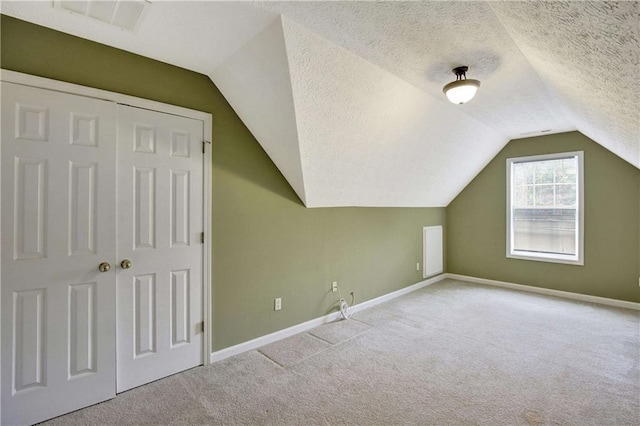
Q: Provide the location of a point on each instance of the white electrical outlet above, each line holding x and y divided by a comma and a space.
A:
334, 286
277, 304
418, 266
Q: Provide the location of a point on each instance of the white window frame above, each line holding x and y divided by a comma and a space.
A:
578, 258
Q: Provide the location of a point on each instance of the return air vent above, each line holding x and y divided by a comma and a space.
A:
124, 14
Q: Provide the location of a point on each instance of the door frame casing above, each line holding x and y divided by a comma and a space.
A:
207, 122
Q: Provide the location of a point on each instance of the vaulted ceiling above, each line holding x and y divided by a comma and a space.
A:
346, 97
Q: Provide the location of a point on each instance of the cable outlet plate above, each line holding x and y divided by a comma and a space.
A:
334, 286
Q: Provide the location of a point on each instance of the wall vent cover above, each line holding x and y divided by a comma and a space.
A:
123, 14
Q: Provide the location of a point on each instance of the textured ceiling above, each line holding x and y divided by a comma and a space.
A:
346, 99
369, 138
588, 54
197, 35
421, 42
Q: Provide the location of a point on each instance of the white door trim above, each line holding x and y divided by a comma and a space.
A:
207, 120
90, 92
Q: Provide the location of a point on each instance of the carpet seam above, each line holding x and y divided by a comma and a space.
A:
352, 337
273, 361
286, 367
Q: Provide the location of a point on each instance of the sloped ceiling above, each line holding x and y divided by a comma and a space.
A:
345, 97
588, 55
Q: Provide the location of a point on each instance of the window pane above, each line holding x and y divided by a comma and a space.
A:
544, 171
520, 176
545, 230
521, 196
566, 196
528, 169
566, 171
544, 195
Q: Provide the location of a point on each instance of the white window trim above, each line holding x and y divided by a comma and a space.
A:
578, 258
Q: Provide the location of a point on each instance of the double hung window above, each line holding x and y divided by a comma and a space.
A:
545, 208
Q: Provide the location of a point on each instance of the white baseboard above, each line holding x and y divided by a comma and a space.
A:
549, 292
378, 300
308, 325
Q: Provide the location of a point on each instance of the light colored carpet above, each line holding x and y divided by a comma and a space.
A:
449, 354
294, 349
340, 331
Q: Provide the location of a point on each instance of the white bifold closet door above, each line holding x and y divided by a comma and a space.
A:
87, 182
58, 224
159, 227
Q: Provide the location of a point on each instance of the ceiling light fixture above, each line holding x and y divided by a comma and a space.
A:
462, 90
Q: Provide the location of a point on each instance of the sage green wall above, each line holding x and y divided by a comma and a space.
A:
266, 244
476, 222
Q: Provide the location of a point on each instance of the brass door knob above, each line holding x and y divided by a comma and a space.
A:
125, 264
104, 267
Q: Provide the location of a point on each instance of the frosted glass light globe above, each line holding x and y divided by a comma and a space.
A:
461, 91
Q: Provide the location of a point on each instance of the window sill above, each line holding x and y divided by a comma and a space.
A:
547, 257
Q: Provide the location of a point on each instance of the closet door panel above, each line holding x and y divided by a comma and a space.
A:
160, 166
58, 225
